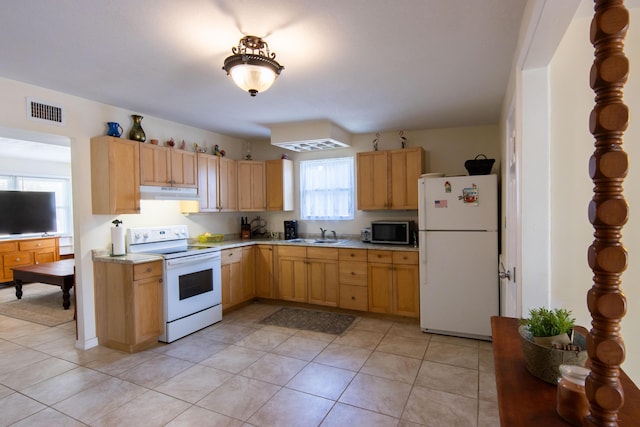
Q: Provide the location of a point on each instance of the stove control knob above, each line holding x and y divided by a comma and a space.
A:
146, 236
136, 236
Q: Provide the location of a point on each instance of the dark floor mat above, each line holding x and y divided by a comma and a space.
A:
311, 320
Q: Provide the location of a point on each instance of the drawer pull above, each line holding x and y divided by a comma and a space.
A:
38, 244
352, 254
353, 273
17, 259
353, 298
149, 270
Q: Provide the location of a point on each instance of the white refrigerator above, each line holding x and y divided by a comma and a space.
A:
458, 235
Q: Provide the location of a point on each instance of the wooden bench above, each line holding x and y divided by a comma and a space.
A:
60, 273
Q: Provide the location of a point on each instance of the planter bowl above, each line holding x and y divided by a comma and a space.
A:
544, 362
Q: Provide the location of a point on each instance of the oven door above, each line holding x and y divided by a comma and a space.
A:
191, 283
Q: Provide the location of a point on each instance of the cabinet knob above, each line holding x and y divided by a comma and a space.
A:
353, 273
149, 270
17, 259
38, 244
353, 298
352, 254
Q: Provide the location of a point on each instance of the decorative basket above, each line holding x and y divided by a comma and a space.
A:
544, 362
479, 166
211, 238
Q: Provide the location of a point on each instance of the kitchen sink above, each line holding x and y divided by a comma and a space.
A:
318, 241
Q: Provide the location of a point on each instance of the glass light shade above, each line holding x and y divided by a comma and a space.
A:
253, 78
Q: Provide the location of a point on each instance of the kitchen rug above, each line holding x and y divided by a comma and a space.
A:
40, 303
310, 320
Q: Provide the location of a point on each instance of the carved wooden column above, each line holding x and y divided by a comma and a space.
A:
608, 212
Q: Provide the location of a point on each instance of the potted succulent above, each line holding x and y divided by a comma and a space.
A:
548, 341
549, 327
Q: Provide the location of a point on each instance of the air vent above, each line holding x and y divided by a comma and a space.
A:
41, 111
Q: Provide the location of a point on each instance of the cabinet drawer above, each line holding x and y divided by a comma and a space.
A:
354, 297
8, 247
380, 256
353, 254
292, 251
353, 273
18, 258
147, 269
29, 245
231, 256
410, 258
322, 253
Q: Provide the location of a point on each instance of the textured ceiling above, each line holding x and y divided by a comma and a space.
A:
367, 65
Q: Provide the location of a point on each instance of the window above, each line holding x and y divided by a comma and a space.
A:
326, 189
60, 186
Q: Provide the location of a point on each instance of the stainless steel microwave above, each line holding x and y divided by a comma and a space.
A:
392, 232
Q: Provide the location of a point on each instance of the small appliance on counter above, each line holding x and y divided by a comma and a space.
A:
365, 234
290, 229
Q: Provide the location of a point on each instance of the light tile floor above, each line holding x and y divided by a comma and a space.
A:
381, 372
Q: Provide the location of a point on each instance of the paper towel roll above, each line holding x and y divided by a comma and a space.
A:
117, 241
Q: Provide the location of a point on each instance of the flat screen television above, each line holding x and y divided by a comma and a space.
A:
24, 212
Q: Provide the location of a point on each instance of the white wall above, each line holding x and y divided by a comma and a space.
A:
85, 119
571, 146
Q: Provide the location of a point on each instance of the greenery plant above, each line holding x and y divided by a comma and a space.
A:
543, 322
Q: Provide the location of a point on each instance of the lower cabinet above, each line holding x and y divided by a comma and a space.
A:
128, 299
393, 278
22, 252
238, 276
354, 293
264, 272
323, 276
292, 273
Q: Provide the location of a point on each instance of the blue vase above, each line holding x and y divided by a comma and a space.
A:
114, 129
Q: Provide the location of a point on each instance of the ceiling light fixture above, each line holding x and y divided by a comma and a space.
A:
252, 67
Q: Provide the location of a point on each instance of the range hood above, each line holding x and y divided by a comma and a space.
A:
152, 192
309, 136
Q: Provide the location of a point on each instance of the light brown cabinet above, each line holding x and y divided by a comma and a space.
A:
292, 273
238, 276
388, 180
128, 299
23, 252
393, 278
251, 186
115, 176
308, 274
208, 181
279, 177
167, 166
264, 272
353, 275
323, 276
227, 185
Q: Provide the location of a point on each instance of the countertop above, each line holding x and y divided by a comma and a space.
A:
103, 255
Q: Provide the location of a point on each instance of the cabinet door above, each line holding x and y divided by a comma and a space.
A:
184, 168
155, 165
405, 167
115, 176
248, 290
228, 186
42, 256
264, 271
231, 272
380, 277
208, 166
147, 309
406, 300
292, 279
323, 282
372, 180
251, 186
279, 177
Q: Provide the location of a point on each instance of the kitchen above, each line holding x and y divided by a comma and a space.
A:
93, 232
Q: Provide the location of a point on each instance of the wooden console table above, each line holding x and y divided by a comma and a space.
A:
59, 273
525, 400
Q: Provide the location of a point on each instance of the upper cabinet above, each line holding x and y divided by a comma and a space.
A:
279, 176
115, 176
251, 186
388, 179
166, 166
228, 185
208, 173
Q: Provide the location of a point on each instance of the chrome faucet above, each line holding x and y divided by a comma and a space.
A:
335, 236
322, 231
